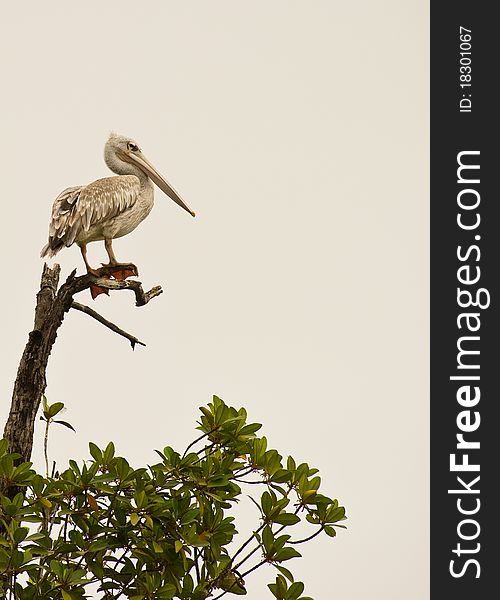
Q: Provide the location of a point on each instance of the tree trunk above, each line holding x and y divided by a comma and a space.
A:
51, 308
31, 381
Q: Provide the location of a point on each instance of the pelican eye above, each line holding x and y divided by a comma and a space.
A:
132, 147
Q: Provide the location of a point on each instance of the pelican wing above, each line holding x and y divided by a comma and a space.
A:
77, 209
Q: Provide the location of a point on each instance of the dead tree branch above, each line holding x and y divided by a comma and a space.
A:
52, 304
95, 315
141, 297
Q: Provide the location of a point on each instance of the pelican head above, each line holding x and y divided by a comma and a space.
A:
124, 157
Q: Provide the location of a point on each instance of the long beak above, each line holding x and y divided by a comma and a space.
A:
138, 159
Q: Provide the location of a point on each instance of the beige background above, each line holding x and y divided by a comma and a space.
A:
298, 131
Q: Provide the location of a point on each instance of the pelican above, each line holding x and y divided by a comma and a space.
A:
108, 208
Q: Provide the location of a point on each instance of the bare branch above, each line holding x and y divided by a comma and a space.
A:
141, 297
74, 285
95, 315
310, 537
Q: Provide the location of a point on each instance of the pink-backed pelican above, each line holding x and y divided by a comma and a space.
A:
108, 208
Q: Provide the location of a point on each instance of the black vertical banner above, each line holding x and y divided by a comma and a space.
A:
465, 296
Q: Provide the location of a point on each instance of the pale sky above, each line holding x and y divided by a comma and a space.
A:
298, 132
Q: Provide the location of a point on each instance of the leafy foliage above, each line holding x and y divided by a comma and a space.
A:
163, 531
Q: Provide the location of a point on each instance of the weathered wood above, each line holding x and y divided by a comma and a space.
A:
51, 307
141, 297
30, 381
95, 315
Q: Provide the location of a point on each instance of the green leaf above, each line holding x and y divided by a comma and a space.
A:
281, 585
311, 518
34, 537
57, 568
338, 514
329, 530
286, 519
54, 409
7, 466
187, 586
95, 452
267, 538
17, 558
46, 502
66, 424
20, 534
233, 584
69, 595
285, 572
101, 544
286, 554
140, 498
109, 453
22, 474
4, 446
267, 503
295, 590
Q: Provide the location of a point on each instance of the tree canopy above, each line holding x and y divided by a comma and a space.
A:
161, 531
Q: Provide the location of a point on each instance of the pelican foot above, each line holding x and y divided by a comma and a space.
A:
96, 290
120, 271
